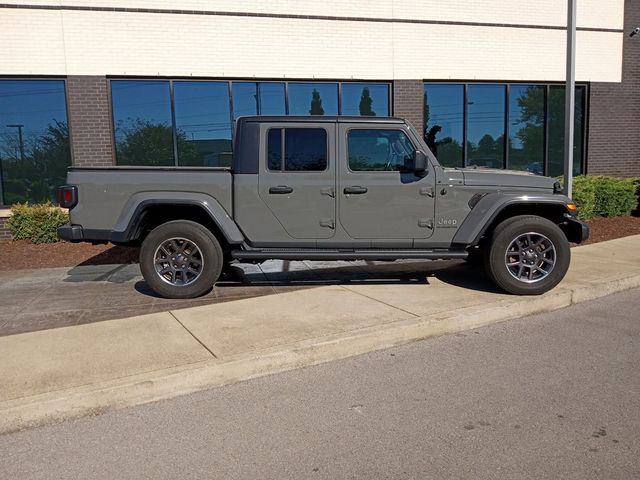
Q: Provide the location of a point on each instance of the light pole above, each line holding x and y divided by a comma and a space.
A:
19, 126
570, 94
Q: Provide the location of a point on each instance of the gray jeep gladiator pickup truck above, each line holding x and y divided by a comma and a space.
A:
331, 188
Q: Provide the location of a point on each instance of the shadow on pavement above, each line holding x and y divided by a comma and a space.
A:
292, 274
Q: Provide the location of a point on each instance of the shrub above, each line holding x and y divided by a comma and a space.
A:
635, 181
37, 223
603, 196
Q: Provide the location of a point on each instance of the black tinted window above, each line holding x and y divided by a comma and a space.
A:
274, 149
305, 149
380, 150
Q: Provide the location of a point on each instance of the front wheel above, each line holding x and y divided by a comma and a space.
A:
528, 255
181, 259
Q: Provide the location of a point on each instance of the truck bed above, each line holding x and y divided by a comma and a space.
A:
108, 196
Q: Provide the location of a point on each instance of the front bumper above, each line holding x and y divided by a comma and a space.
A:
575, 230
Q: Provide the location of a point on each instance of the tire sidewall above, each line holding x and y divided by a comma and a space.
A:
206, 242
506, 233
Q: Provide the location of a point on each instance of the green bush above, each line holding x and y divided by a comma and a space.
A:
603, 196
635, 181
37, 223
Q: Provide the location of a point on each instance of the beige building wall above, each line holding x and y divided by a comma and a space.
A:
360, 39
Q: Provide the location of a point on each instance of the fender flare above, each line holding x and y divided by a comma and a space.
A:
489, 207
131, 214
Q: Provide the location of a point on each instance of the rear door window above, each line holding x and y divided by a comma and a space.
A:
297, 149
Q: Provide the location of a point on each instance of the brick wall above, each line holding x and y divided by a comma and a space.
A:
4, 231
408, 102
614, 126
90, 122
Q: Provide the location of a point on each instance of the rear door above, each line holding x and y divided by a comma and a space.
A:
380, 197
298, 177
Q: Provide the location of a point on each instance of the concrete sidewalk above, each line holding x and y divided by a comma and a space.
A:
61, 373
41, 299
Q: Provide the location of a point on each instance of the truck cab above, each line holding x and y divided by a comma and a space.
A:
333, 182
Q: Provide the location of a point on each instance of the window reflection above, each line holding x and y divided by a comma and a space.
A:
556, 130
245, 99
485, 125
34, 140
142, 122
365, 99
526, 128
272, 98
443, 122
529, 130
313, 99
203, 123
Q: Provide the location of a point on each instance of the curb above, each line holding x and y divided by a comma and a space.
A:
54, 407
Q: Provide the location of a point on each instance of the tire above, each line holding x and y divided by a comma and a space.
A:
528, 255
192, 271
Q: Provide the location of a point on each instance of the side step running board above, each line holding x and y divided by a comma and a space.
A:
328, 254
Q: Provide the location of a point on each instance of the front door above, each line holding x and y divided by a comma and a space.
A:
380, 197
298, 176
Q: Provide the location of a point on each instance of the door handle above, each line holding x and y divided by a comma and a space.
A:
280, 190
355, 190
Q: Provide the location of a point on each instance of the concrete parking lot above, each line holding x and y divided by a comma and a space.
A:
545, 397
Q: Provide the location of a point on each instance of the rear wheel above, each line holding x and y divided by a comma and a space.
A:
181, 259
528, 255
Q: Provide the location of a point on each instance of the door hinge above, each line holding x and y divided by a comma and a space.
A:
327, 223
427, 192
329, 191
425, 223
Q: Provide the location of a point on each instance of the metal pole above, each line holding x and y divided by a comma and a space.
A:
21, 142
570, 97
19, 126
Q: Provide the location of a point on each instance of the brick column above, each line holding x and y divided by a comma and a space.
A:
90, 121
614, 110
408, 102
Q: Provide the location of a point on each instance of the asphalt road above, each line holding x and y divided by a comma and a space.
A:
550, 396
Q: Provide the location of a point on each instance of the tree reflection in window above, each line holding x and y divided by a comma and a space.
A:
34, 140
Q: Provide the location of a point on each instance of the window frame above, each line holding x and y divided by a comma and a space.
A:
547, 86
398, 129
283, 151
232, 120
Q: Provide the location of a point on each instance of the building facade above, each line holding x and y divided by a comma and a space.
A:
159, 82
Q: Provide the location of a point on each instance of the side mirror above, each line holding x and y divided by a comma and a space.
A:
420, 163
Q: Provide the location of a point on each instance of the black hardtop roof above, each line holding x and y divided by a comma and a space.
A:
319, 119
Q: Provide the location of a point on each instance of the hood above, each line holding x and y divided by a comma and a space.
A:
505, 178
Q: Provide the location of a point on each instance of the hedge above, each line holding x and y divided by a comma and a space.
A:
602, 196
37, 223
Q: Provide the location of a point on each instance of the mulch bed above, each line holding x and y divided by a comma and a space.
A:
22, 254
609, 228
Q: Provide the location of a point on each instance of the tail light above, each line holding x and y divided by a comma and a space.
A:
67, 196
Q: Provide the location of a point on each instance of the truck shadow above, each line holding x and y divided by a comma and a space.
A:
254, 279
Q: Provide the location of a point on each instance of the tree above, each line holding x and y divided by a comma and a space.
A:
366, 103
316, 103
35, 177
151, 144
